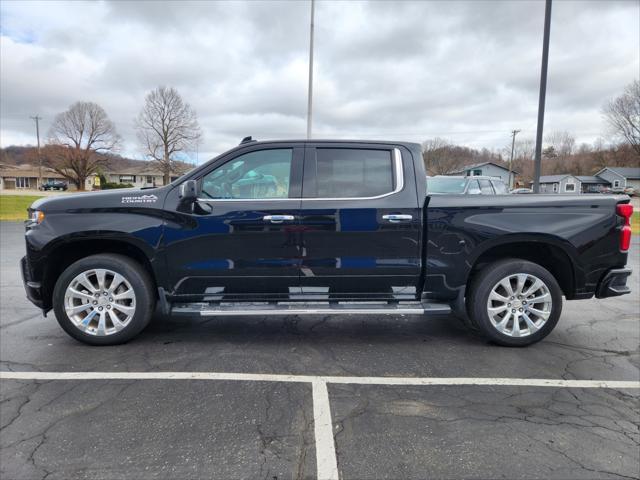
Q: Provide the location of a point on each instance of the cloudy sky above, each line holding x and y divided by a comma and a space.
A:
467, 71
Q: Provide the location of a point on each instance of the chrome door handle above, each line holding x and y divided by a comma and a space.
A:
278, 218
397, 218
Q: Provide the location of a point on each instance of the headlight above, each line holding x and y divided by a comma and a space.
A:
37, 216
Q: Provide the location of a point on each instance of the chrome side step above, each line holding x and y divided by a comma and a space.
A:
315, 308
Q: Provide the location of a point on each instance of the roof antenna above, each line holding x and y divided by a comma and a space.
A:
247, 140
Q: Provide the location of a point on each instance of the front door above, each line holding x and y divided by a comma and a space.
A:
361, 222
240, 240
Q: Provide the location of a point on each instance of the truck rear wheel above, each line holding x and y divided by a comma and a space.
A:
515, 302
104, 299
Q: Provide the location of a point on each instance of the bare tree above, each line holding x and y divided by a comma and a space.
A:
525, 149
563, 143
78, 137
623, 115
440, 156
166, 126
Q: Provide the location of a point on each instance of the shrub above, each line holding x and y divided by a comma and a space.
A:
111, 186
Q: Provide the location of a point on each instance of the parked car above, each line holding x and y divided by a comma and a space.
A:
53, 185
348, 230
476, 185
618, 191
521, 190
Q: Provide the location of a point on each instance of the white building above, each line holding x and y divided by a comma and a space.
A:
138, 177
26, 177
488, 169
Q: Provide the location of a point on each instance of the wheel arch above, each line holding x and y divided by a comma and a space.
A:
64, 253
548, 252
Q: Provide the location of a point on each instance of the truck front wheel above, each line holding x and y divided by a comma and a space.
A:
515, 302
104, 299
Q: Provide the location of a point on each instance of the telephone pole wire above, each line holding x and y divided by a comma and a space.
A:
37, 120
310, 91
513, 146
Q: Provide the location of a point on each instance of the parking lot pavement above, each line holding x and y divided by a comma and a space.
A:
485, 432
127, 429
148, 428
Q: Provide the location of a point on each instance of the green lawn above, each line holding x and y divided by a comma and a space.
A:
14, 207
635, 223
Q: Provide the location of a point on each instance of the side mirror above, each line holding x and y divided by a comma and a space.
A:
189, 191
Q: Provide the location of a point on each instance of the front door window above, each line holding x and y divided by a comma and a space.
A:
256, 175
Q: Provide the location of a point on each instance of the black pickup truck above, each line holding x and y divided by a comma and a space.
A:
320, 227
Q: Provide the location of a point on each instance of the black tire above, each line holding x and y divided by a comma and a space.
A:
140, 282
484, 282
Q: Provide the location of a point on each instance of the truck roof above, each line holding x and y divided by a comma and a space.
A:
332, 140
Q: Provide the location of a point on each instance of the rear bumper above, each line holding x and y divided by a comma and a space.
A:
614, 283
33, 289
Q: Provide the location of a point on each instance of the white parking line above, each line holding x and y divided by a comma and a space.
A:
270, 377
326, 460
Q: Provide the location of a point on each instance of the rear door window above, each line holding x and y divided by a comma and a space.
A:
500, 188
485, 187
352, 173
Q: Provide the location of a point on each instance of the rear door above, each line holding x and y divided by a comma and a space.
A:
360, 221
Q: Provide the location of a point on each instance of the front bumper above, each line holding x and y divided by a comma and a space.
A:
33, 289
614, 283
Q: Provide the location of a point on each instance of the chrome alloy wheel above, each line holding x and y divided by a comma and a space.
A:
519, 305
100, 302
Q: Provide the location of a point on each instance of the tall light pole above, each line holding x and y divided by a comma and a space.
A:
37, 120
543, 93
310, 90
513, 146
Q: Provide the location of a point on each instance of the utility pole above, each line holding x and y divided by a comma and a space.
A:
513, 146
37, 120
543, 93
310, 90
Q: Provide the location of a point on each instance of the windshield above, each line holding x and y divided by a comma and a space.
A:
445, 185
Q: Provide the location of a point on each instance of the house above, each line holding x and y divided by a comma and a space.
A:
615, 177
488, 169
25, 177
563, 183
136, 176
591, 183
567, 183
621, 176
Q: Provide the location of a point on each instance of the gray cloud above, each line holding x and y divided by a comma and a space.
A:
465, 70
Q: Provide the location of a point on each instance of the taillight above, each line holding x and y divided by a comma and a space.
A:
625, 210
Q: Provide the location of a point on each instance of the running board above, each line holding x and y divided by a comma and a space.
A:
315, 308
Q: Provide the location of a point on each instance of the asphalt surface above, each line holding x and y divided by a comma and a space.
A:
108, 429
